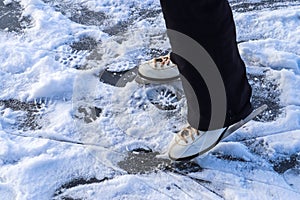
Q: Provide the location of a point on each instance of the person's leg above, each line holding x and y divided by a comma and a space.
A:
210, 23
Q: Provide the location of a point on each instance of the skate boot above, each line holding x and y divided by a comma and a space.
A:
158, 70
190, 143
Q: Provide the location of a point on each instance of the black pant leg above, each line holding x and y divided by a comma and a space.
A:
211, 24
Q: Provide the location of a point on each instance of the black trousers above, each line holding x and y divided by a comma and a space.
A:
210, 23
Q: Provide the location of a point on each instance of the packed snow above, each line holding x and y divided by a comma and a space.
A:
66, 134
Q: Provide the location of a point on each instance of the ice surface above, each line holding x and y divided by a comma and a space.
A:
64, 134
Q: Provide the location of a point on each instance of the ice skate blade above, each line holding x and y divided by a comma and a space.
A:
144, 81
163, 156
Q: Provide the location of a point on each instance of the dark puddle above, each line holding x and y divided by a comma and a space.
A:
143, 161
11, 17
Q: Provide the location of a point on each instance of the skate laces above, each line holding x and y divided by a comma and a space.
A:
162, 62
188, 132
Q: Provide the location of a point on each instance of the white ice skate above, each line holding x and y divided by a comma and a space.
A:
158, 70
190, 143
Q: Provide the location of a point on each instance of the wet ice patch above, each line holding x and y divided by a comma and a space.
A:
118, 79
286, 163
11, 18
266, 90
87, 113
78, 12
139, 162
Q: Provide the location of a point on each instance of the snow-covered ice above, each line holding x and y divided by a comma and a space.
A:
52, 104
